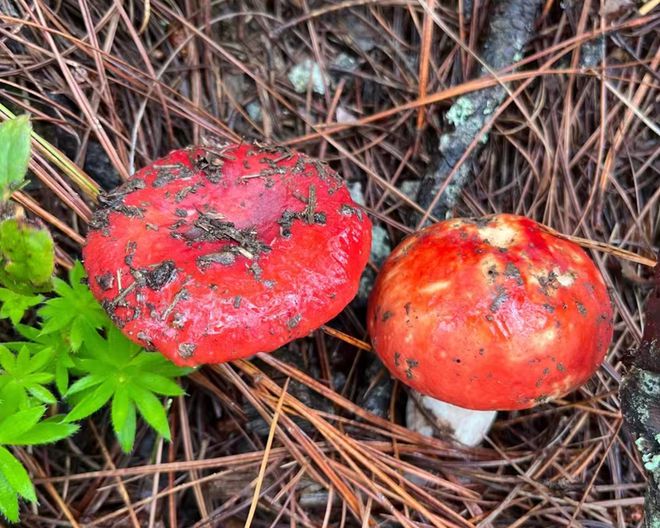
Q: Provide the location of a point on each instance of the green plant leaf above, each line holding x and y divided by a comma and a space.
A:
14, 154
23, 381
126, 435
114, 367
37, 377
159, 384
41, 393
23, 361
74, 305
62, 360
77, 274
62, 374
92, 402
7, 360
76, 334
16, 475
27, 256
45, 432
85, 383
19, 423
12, 396
37, 361
14, 305
120, 403
120, 411
8, 500
151, 409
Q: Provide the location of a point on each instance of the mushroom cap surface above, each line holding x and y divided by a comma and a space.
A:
491, 314
215, 253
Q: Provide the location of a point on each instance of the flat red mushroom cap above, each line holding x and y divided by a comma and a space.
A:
213, 254
491, 314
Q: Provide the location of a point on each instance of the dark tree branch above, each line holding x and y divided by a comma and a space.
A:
510, 26
640, 402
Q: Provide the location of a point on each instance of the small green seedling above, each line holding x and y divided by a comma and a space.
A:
73, 359
27, 256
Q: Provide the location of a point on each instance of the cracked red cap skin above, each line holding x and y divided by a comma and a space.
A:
491, 314
215, 253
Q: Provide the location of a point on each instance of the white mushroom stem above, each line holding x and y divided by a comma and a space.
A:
427, 416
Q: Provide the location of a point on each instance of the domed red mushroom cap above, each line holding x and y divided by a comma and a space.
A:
491, 314
213, 254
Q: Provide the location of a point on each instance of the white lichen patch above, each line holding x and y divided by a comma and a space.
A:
344, 116
380, 245
410, 188
500, 235
306, 72
650, 459
347, 62
356, 192
460, 111
651, 462
254, 111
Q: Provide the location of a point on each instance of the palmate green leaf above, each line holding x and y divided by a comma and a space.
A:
24, 378
16, 475
24, 362
27, 257
35, 363
118, 369
74, 305
56, 342
13, 305
8, 500
14, 154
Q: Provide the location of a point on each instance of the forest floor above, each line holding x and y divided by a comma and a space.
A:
365, 86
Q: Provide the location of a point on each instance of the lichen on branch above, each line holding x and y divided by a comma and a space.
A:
510, 27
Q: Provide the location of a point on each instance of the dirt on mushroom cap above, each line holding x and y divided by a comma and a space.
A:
216, 253
492, 313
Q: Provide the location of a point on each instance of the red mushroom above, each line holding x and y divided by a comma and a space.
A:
490, 314
212, 254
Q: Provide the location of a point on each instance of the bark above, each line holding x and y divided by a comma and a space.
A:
510, 27
640, 402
